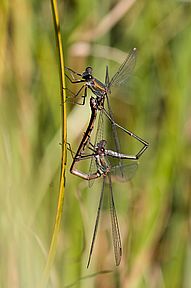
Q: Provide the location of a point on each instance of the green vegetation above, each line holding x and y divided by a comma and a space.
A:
154, 209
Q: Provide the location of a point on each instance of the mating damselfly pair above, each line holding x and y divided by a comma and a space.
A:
97, 152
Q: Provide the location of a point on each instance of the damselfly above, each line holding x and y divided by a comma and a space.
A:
101, 155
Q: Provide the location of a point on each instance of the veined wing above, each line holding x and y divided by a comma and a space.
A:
98, 137
96, 222
125, 70
106, 77
114, 132
129, 171
115, 226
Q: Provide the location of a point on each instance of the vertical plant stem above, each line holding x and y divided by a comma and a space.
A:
52, 250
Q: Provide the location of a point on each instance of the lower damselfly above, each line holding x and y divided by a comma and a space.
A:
105, 170
101, 157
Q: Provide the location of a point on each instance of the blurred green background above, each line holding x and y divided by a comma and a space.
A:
153, 210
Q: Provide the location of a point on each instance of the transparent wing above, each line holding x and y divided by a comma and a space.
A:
115, 226
98, 137
106, 77
125, 70
114, 134
96, 223
129, 171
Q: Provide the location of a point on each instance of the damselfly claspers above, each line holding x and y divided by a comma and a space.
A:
95, 106
100, 155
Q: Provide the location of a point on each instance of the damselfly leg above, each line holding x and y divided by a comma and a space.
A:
145, 143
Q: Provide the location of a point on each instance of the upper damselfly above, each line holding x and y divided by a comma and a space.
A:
102, 90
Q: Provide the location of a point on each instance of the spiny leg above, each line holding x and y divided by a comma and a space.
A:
77, 94
72, 73
69, 148
75, 81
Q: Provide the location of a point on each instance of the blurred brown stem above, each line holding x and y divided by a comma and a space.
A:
109, 21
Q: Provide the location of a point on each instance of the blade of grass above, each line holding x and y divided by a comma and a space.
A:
52, 250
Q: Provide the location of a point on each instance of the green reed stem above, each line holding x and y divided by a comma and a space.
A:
52, 250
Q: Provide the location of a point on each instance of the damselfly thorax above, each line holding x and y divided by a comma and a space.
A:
102, 163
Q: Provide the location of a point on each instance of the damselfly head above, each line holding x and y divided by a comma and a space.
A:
89, 70
87, 74
100, 148
102, 143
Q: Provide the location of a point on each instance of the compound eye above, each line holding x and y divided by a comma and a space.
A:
89, 70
